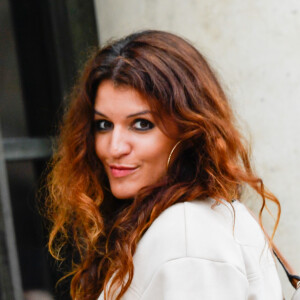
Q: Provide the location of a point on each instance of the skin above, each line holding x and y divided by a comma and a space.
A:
131, 146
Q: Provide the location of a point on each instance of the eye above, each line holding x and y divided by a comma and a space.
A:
102, 125
142, 124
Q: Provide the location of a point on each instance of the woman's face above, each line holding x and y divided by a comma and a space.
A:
131, 146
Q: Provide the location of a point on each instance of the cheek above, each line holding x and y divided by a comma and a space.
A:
100, 147
158, 168
156, 153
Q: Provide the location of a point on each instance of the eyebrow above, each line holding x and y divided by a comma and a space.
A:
143, 112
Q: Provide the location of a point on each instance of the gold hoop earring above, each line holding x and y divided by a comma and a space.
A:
170, 155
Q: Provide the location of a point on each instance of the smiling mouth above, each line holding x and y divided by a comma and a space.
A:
121, 171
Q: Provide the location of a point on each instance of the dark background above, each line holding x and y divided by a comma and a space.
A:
43, 44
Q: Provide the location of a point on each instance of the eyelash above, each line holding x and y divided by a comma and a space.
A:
98, 123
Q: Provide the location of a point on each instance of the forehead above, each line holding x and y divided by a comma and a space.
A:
112, 98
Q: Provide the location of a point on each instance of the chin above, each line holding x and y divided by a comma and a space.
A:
122, 195
128, 191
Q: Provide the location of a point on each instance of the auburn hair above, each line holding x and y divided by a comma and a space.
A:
213, 161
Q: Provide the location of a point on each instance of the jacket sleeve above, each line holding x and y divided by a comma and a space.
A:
195, 278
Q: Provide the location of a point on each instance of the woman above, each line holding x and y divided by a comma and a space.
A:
148, 164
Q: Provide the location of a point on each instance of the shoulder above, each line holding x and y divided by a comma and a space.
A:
192, 245
194, 228
198, 230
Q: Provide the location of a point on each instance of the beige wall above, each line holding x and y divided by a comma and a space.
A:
254, 45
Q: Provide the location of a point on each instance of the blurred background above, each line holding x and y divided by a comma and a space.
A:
253, 46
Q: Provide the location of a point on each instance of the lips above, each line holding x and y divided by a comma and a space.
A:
122, 170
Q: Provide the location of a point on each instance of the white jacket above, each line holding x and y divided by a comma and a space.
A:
193, 251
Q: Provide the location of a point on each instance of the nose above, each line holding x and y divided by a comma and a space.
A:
120, 144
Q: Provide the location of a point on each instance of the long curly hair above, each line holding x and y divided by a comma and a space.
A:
213, 161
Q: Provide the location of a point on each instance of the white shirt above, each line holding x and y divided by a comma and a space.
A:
193, 251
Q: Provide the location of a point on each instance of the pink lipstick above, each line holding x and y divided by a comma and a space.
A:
121, 171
